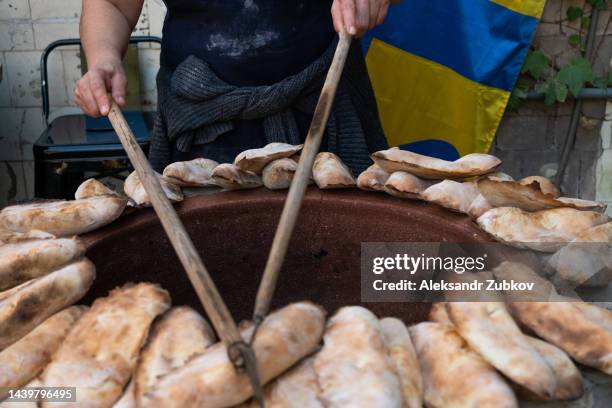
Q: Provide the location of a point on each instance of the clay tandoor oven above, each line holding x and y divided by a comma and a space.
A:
233, 232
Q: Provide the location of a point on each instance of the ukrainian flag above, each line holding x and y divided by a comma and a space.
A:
444, 69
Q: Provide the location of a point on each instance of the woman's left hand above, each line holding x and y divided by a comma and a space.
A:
358, 16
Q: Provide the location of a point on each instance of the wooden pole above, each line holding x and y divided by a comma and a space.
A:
190, 259
300, 181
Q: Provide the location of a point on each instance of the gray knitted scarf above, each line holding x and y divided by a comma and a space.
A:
195, 106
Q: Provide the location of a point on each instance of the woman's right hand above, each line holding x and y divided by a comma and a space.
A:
93, 89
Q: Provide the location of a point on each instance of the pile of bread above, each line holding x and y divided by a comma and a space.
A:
132, 349
272, 166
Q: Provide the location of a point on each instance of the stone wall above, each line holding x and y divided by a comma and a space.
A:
603, 165
529, 141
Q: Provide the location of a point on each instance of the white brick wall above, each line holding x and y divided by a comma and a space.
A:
26, 28
45, 9
16, 35
15, 9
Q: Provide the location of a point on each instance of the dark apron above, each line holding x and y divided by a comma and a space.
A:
247, 43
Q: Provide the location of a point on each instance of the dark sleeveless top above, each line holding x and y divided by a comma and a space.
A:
247, 42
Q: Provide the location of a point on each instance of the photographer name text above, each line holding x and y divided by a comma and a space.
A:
442, 285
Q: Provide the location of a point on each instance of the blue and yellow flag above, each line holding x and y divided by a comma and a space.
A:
444, 69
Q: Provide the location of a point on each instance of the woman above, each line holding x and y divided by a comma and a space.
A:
238, 74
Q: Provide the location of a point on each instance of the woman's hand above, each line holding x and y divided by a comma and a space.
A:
105, 31
358, 16
92, 90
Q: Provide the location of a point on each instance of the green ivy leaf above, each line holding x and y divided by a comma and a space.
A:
553, 90
574, 40
536, 64
560, 91
541, 87
550, 96
575, 75
574, 13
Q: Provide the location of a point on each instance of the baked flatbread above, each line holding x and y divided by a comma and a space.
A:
543, 289
278, 174
100, 353
585, 205
596, 314
93, 188
582, 330
193, 173
12, 237
529, 197
9, 292
232, 177
587, 260
564, 325
600, 234
63, 218
353, 367
297, 388
499, 176
32, 259
568, 378
438, 313
255, 160
546, 186
136, 191
582, 264
128, 399
479, 206
329, 172
405, 361
452, 195
210, 380
372, 179
180, 335
546, 230
454, 376
40, 298
490, 331
25, 359
475, 164
405, 185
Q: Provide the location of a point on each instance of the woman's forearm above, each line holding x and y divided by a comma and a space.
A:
106, 26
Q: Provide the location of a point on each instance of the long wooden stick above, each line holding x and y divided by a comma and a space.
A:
295, 197
196, 271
